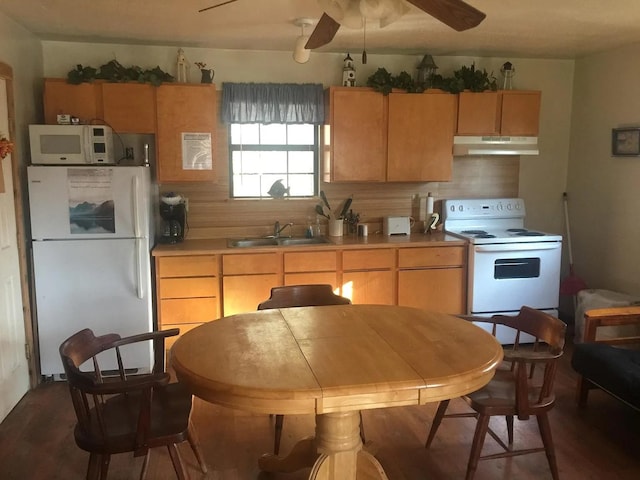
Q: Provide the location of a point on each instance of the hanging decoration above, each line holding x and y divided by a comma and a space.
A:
6, 147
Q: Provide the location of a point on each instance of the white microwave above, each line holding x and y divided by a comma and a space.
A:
71, 144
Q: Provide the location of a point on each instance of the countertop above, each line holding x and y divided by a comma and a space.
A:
219, 245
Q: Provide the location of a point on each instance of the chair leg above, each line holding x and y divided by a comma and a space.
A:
476, 446
145, 465
104, 466
93, 467
176, 460
362, 437
582, 391
278, 434
547, 440
442, 408
192, 438
509, 419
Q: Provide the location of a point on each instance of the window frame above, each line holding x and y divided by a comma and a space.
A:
315, 148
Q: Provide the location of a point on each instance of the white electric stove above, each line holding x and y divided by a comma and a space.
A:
508, 265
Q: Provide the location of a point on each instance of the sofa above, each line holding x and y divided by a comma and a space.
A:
612, 363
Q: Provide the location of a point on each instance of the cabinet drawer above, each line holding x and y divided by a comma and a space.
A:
431, 257
310, 261
248, 264
368, 259
189, 287
188, 310
311, 278
188, 266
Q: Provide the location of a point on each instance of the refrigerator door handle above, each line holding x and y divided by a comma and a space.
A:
139, 268
135, 190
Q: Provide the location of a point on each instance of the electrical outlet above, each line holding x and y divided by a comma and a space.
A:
128, 153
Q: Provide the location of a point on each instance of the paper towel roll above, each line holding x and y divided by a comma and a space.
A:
429, 204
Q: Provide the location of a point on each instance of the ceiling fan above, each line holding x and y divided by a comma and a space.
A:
454, 13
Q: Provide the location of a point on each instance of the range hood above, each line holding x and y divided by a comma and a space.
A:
494, 145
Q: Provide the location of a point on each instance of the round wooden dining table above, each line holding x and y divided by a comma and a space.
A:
333, 361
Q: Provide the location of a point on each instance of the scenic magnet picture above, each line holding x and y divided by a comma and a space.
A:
91, 201
625, 141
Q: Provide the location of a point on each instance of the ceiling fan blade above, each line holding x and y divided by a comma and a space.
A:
324, 32
216, 6
455, 13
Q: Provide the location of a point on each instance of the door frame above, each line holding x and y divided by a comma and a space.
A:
6, 72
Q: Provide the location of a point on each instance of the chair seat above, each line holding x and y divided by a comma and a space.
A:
120, 414
500, 397
614, 369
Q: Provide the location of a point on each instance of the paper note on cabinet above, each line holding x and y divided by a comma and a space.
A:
196, 151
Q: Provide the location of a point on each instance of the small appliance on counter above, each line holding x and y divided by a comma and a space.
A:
397, 225
174, 218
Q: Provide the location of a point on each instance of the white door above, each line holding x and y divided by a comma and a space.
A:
14, 371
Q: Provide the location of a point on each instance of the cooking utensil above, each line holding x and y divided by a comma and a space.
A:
572, 284
324, 199
320, 211
345, 207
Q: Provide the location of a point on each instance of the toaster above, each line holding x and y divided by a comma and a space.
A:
396, 225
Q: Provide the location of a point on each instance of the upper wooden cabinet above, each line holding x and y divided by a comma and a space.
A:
83, 101
420, 136
506, 112
355, 138
129, 107
399, 137
183, 108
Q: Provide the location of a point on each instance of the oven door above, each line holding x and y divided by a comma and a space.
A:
504, 277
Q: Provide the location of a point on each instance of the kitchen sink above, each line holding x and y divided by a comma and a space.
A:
274, 242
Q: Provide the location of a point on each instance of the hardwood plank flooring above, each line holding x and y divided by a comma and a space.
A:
599, 442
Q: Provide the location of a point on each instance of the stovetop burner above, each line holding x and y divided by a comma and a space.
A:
484, 235
516, 230
474, 232
530, 233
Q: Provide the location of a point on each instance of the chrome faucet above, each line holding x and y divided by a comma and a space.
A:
277, 229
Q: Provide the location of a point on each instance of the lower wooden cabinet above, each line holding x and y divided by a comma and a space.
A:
304, 268
368, 275
247, 280
188, 292
433, 278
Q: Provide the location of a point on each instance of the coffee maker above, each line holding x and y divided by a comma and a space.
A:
174, 218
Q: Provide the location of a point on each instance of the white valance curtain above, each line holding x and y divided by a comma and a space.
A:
272, 103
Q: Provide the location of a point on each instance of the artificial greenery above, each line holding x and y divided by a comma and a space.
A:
465, 78
113, 71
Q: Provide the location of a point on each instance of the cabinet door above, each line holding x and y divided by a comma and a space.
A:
243, 293
520, 113
436, 289
311, 278
183, 108
358, 145
295, 262
130, 107
478, 113
371, 287
420, 136
83, 101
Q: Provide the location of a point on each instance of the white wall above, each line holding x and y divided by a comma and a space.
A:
604, 191
23, 52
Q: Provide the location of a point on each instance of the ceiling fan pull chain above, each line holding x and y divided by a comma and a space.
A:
364, 41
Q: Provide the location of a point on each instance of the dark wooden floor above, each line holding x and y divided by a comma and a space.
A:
600, 442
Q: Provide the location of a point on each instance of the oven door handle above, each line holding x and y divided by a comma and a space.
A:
518, 247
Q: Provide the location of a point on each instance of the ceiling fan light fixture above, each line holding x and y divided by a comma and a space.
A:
300, 53
399, 8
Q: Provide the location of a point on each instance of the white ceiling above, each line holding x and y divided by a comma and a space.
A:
526, 28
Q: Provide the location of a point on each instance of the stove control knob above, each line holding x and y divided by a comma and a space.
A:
509, 206
461, 208
499, 207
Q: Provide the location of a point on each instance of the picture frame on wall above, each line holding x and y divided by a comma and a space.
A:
625, 142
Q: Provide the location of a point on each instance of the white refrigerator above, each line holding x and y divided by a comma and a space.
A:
92, 232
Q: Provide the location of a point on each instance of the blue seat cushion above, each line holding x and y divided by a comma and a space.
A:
616, 370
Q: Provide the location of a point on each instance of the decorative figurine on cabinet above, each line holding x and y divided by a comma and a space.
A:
182, 67
348, 72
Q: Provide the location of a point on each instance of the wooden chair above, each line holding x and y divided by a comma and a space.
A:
124, 412
302, 296
518, 390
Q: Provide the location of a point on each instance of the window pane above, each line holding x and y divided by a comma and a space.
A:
247, 162
301, 162
273, 134
246, 185
274, 162
246, 134
301, 185
301, 134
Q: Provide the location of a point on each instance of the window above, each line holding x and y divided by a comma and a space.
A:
261, 154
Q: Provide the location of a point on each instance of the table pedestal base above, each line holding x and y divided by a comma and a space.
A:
335, 452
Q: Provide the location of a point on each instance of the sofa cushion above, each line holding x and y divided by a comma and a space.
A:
614, 369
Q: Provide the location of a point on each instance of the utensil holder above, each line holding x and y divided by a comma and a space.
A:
336, 228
